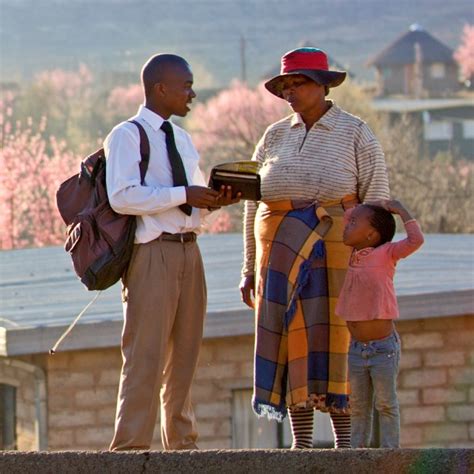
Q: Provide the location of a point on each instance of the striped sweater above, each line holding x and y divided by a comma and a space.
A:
338, 156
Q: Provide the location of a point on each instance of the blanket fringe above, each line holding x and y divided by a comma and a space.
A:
262, 408
327, 403
337, 403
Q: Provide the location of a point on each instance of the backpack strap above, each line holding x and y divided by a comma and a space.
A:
144, 150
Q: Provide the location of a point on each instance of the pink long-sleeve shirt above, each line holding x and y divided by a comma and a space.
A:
368, 292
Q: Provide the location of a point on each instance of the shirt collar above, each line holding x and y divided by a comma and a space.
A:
365, 250
296, 120
328, 120
153, 119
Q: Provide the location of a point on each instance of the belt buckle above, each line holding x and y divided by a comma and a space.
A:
181, 236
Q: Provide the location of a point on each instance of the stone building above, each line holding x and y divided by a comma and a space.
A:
416, 65
417, 76
67, 401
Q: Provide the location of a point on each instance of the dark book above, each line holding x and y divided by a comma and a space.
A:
241, 175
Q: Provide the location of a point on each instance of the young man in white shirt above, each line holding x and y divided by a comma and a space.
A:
164, 290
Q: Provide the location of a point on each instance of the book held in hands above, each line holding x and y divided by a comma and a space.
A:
241, 175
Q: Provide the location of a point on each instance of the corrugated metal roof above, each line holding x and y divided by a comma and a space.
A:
402, 50
39, 289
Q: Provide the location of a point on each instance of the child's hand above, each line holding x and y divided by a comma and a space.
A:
379, 203
396, 207
392, 205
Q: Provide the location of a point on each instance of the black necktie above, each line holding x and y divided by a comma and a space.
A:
177, 168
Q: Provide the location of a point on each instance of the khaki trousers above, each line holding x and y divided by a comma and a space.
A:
164, 301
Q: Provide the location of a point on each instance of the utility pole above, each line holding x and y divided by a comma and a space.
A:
243, 65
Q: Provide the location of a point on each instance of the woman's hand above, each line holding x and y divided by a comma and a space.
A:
247, 290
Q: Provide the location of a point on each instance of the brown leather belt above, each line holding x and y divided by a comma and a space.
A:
186, 237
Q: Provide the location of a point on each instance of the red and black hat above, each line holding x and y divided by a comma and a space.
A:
310, 62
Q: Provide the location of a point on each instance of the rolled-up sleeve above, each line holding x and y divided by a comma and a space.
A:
126, 193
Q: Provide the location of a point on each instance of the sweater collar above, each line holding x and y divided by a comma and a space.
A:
327, 121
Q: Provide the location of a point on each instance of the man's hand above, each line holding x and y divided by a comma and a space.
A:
225, 197
207, 198
247, 290
201, 197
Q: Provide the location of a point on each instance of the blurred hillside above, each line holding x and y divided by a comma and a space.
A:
118, 35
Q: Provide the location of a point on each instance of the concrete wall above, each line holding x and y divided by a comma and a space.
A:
436, 388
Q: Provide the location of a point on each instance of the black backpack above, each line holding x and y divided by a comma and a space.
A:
99, 240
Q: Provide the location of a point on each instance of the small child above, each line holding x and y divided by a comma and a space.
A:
368, 304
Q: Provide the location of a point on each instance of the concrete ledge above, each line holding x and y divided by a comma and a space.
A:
360, 461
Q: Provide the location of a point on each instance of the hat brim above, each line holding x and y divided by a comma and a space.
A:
320, 76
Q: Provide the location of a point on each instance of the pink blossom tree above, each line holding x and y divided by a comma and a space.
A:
227, 127
221, 224
464, 55
123, 102
68, 101
31, 169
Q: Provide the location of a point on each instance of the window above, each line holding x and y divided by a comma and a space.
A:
251, 432
437, 70
7, 417
438, 130
468, 128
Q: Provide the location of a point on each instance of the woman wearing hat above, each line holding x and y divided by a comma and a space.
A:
315, 163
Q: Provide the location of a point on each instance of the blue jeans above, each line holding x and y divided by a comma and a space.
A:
373, 370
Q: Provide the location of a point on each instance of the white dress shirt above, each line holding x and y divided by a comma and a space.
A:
156, 202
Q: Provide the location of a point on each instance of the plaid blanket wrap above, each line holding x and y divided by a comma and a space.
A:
301, 345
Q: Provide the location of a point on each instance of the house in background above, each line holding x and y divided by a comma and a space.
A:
67, 401
416, 65
445, 125
417, 76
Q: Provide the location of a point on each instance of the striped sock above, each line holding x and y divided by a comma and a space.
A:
302, 428
341, 426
